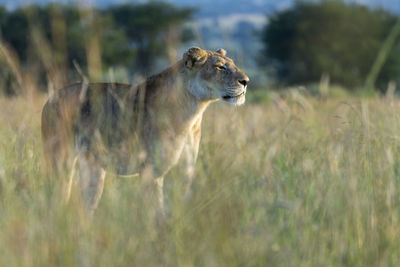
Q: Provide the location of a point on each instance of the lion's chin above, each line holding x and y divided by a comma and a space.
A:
236, 100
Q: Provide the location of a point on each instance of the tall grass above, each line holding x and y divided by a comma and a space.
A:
283, 184
295, 182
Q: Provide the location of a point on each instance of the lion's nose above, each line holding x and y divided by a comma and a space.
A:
244, 81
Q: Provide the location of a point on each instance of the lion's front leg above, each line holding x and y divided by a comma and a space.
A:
190, 153
160, 193
152, 177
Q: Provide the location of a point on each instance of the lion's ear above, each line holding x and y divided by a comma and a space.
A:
221, 51
195, 56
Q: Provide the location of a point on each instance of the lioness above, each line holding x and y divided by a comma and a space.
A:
129, 129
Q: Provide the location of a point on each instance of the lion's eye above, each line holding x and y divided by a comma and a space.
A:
221, 67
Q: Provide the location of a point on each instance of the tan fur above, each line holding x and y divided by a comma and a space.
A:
131, 129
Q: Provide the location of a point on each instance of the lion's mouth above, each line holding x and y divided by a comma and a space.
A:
227, 97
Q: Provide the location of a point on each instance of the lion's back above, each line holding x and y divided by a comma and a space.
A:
73, 114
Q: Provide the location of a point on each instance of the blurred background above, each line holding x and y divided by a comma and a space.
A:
305, 174
330, 47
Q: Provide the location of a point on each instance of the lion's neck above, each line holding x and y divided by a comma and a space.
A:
186, 107
168, 96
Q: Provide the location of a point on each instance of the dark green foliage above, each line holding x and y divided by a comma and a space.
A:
151, 28
14, 29
329, 37
133, 36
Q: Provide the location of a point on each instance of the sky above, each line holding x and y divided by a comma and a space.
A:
208, 6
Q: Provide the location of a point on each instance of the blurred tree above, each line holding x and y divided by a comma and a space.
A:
149, 28
55, 35
329, 37
115, 49
14, 29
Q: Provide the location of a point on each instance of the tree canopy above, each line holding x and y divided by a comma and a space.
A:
133, 36
150, 28
332, 38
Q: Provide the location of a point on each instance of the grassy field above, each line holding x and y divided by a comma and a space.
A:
300, 182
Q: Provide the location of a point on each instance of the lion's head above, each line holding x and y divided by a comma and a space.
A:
215, 76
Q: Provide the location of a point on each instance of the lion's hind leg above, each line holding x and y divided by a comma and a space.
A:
71, 176
91, 180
